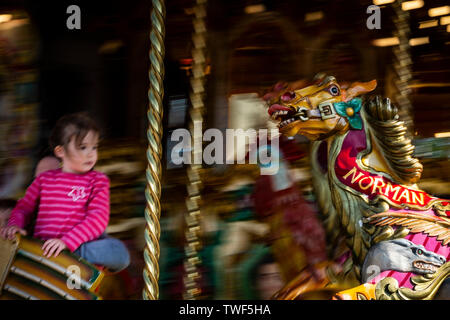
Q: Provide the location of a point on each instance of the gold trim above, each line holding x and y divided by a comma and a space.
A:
368, 150
329, 215
432, 226
97, 281
381, 118
440, 209
425, 288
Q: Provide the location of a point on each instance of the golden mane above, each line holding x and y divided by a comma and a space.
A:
390, 134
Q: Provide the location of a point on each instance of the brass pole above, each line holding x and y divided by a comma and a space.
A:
154, 151
192, 261
402, 64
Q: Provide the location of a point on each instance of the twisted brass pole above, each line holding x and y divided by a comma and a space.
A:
154, 151
192, 261
402, 64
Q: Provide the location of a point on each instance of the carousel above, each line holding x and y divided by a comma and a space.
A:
372, 234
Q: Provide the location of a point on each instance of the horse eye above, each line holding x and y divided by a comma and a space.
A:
419, 252
334, 90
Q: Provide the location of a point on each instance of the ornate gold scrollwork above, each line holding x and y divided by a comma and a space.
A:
441, 209
426, 286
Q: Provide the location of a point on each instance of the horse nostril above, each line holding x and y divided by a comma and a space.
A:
443, 260
288, 96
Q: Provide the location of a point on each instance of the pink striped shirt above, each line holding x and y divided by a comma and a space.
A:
71, 207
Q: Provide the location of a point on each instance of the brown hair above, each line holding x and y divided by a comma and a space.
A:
72, 125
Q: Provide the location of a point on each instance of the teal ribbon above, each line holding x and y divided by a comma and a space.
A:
355, 104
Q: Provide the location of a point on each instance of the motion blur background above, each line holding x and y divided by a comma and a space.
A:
47, 71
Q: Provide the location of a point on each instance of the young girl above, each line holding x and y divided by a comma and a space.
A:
72, 201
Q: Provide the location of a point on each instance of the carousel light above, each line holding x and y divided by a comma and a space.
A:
410, 5
5, 17
380, 2
419, 41
442, 134
110, 46
439, 11
386, 42
448, 28
428, 24
313, 16
256, 8
445, 20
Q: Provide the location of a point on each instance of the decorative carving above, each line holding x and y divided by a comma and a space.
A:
426, 286
430, 225
362, 161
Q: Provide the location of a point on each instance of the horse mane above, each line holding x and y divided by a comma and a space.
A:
390, 134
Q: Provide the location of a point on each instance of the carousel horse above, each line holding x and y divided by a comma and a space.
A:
390, 239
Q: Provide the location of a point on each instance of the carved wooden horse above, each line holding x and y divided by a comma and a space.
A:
392, 238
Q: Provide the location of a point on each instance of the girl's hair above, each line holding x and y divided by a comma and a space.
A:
72, 125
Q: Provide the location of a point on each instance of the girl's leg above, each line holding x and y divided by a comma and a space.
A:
108, 252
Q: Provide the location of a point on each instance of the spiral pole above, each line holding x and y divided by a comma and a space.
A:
154, 152
192, 288
402, 64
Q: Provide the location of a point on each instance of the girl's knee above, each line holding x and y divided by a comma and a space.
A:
122, 255
110, 252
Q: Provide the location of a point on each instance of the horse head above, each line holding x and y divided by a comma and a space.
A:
316, 110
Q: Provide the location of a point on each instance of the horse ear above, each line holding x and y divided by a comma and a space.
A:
359, 88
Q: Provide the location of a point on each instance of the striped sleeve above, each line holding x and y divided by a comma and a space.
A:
25, 207
97, 216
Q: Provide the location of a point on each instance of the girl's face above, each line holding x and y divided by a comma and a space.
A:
79, 158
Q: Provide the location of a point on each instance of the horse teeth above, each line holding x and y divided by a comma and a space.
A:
275, 114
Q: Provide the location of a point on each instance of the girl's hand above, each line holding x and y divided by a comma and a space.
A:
53, 246
9, 232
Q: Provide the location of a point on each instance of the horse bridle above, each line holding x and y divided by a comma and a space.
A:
324, 110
